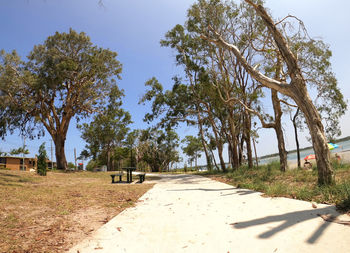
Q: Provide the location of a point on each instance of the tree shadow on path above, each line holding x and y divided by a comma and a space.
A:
291, 219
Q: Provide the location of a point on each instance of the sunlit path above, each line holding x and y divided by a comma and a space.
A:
187, 213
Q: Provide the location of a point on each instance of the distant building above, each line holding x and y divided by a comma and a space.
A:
16, 163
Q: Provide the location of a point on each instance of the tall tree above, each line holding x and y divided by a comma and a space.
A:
294, 86
193, 147
65, 77
159, 148
108, 129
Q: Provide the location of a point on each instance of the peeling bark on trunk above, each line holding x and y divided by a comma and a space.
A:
319, 142
298, 91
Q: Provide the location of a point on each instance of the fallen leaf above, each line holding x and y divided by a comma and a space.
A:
314, 205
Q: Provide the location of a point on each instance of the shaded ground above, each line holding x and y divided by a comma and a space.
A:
50, 214
189, 213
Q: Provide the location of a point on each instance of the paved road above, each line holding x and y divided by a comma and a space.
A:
187, 213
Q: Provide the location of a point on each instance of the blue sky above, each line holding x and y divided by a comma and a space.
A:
134, 28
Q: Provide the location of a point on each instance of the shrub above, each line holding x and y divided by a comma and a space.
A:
42, 157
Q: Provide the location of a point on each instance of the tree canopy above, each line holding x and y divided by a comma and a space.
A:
65, 77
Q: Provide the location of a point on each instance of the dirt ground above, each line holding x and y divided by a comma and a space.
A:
52, 213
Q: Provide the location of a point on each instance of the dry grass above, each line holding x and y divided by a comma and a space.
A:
50, 214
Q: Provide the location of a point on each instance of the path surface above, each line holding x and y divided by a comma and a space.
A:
187, 213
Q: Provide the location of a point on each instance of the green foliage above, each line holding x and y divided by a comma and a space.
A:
193, 147
42, 158
158, 149
65, 77
108, 130
71, 166
19, 151
91, 165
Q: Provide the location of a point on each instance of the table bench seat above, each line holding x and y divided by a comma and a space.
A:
142, 177
120, 175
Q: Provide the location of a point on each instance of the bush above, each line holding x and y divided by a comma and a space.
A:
71, 166
42, 157
91, 165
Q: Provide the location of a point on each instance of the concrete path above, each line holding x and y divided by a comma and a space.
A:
187, 213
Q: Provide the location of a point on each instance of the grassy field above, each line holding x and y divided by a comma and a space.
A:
50, 214
297, 184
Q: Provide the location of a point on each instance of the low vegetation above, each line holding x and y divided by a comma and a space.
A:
50, 214
297, 184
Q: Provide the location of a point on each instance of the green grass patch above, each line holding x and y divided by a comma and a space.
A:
296, 183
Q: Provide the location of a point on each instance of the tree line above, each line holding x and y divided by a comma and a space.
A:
233, 57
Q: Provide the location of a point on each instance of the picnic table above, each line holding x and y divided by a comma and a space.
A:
129, 171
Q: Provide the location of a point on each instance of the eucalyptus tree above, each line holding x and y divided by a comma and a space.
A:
193, 147
65, 77
235, 86
294, 85
171, 107
192, 55
206, 65
108, 129
159, 148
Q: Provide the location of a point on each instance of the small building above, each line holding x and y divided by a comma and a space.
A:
16, 163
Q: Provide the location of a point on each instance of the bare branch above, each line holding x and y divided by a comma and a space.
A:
283, 88
285, 102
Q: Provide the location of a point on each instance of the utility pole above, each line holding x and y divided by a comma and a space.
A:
51, 157
75, 158
24, 145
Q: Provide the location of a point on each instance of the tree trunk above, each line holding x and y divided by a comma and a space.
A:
240, 146
61, 161
221, 158
214, 160
296, 136
278, 129
204, 144
296, 89
319, 142
109, 167
256, 154
247, 129
233, 140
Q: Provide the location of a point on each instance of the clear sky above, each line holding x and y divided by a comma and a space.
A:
133, 29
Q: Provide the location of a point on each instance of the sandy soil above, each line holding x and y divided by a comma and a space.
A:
188, 213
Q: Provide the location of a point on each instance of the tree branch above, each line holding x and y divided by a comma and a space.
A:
283, 88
